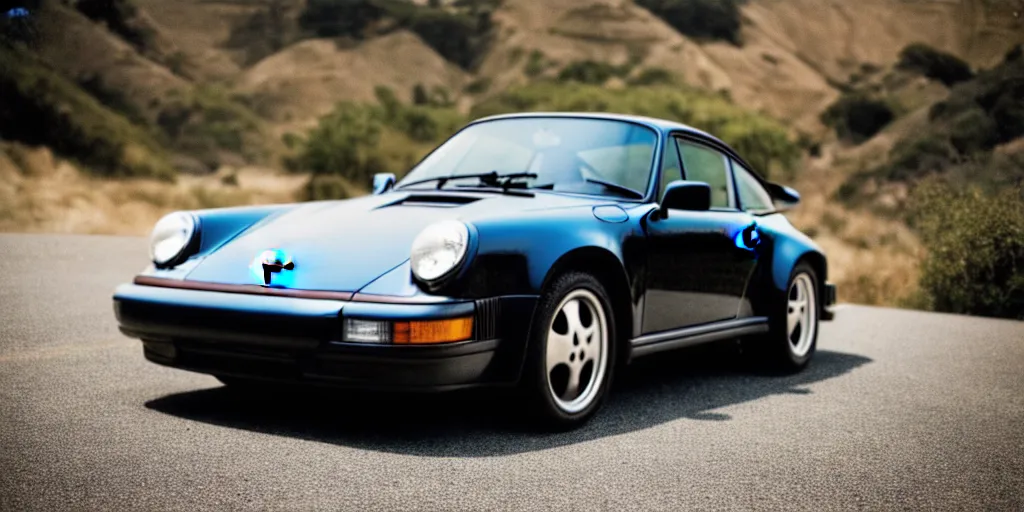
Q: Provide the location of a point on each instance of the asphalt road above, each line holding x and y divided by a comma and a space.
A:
899, 409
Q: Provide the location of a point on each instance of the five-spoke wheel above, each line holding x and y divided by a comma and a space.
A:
793, 326
571, 355
801, 314
577, 348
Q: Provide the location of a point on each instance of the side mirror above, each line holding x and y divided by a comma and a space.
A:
686, 195
784, 197
382, 182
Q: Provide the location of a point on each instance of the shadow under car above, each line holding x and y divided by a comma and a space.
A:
691, 383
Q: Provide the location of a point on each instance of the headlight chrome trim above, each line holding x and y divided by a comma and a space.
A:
183, 225
427, 242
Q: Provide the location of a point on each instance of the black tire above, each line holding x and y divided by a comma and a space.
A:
534, 388
775, 351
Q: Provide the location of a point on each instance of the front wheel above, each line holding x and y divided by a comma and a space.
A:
571, 351
793, 326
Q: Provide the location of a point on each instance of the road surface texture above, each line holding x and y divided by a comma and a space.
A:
899, 410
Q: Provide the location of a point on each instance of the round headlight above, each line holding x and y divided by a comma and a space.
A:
439, 249
171, 236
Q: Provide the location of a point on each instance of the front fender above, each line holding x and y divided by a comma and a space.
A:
515, 255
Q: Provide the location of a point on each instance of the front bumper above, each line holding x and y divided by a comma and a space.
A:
828, 300
298, 339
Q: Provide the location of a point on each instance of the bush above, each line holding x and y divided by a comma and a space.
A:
918, 157
978, 116
535, 64
478, 86
321, 188
590, 72
700, 19
342, 143
653, 76
39, 107
120, 18
934, 64
975, 263
856, 117
264, 32
973, 132
206, 120
462, 34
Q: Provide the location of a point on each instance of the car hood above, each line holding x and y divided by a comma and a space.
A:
346, 245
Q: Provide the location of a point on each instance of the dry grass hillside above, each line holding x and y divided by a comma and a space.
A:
302, 82
84, 51
218, 83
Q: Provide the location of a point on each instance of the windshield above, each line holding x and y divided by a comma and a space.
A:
565, 154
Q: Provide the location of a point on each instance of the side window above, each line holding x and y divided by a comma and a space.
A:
753, 197
707, 165
671, 168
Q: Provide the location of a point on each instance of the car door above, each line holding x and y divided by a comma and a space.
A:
699, 261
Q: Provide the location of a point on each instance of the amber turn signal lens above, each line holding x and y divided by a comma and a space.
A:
434, 331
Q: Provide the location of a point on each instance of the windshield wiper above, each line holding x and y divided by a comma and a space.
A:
487, 178
626, 191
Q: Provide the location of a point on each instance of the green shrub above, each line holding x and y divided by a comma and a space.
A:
700, 19
978, 115
120, 18
856, 117
972, 132
263, 32
918, 157
935, 64
653, 76
342, 143
39, 107
590, 72
478, 86
535, 64
975, 242
462, 34
206, 120
322, 188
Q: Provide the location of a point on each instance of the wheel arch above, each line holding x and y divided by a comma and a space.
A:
819, 264
610, 272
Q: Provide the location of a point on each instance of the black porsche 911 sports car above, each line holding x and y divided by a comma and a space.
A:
540, 250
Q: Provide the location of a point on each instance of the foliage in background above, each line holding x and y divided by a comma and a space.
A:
857, 117
208, 120
265, 31
121, 17
342, 143
978, 115
356, 140
935, 64
40, 107
461, 33
975, 242
700, 19
653, 76
591, 72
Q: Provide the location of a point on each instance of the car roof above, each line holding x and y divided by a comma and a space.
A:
655, 123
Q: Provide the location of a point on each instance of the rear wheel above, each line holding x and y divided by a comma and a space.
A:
571, 352
793, 327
